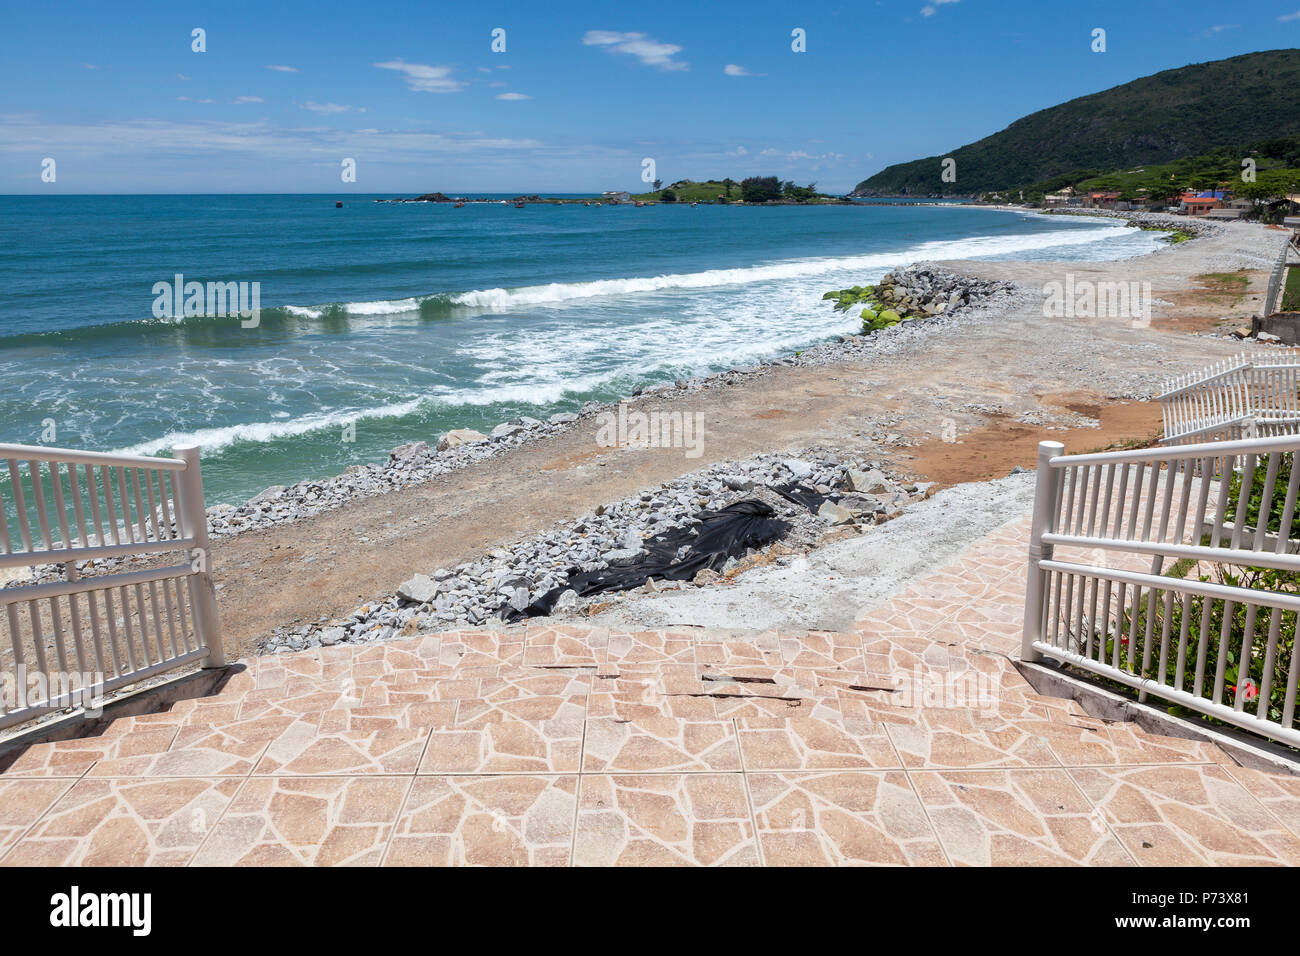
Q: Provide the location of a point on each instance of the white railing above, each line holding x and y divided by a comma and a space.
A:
79, 631
1173, 571
1276, 281
1247, 396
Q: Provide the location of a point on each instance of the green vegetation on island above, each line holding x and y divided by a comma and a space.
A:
1157, 119
755, 190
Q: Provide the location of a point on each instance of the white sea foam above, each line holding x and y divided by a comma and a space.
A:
559, 293
215, 439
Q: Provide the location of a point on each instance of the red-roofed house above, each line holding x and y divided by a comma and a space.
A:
1102, 200
1198, 205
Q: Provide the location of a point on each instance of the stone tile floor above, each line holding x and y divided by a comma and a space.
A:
909, 741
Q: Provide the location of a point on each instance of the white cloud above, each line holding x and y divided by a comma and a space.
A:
282, 69
182, 76
248, 99
1289, 16
799, 155
738, 151
513, 96
931, 8
27, 133
732, 69
423, 78
191, 99
327, 108
90, 66
646, 49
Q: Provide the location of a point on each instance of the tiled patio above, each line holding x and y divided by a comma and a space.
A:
909, 741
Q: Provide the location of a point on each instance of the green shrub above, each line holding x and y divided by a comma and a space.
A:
1207, 629
1204, 618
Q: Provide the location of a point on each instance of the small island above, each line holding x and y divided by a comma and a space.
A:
754, 191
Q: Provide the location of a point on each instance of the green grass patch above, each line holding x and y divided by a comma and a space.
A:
1291, 291
1227, 288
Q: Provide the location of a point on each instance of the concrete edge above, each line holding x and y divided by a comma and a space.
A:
1249, 751
146, 700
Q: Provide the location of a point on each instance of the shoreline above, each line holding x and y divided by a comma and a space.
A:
312, 496
890, 398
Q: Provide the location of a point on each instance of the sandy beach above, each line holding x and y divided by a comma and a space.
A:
953, 401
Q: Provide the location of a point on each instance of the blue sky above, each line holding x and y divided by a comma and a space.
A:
413, 92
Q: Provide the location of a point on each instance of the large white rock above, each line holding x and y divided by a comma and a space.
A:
419, 589
460, 436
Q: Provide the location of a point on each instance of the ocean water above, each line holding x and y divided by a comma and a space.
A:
395, 322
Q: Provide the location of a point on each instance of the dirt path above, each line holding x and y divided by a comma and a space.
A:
974, 383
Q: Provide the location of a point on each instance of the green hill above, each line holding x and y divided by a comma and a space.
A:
1157, 119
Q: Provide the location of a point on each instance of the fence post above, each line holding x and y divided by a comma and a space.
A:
194, 524
1044, 522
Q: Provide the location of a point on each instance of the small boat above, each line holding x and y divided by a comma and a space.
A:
519, 205
597, 205
338, 204
639, 204
459, 205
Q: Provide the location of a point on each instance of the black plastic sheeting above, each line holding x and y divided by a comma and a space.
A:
719, 536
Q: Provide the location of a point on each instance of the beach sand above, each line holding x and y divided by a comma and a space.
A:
995, 385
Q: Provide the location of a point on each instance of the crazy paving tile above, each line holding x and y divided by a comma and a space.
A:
22, 801
306, 821
838, 818
1187, 816
664, 820
131, 822
504, 820
809, 743
506, 746
660, 744
1022, 817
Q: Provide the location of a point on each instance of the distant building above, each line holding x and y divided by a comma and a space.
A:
615, 195
1102, 200
1198, 205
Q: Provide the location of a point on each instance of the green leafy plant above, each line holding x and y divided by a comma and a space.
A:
1212, 629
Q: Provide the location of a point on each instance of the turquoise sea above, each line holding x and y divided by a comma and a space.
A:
404, 320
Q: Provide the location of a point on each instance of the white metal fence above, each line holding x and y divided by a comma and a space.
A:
1276, 281
1247, 396
78, 631
1174, 571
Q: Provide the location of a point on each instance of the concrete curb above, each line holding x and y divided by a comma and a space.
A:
1247, 750
146, 700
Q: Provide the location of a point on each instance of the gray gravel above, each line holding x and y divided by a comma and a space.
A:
833, 586
471, 594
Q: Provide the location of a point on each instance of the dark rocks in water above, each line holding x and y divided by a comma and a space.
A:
432, 197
